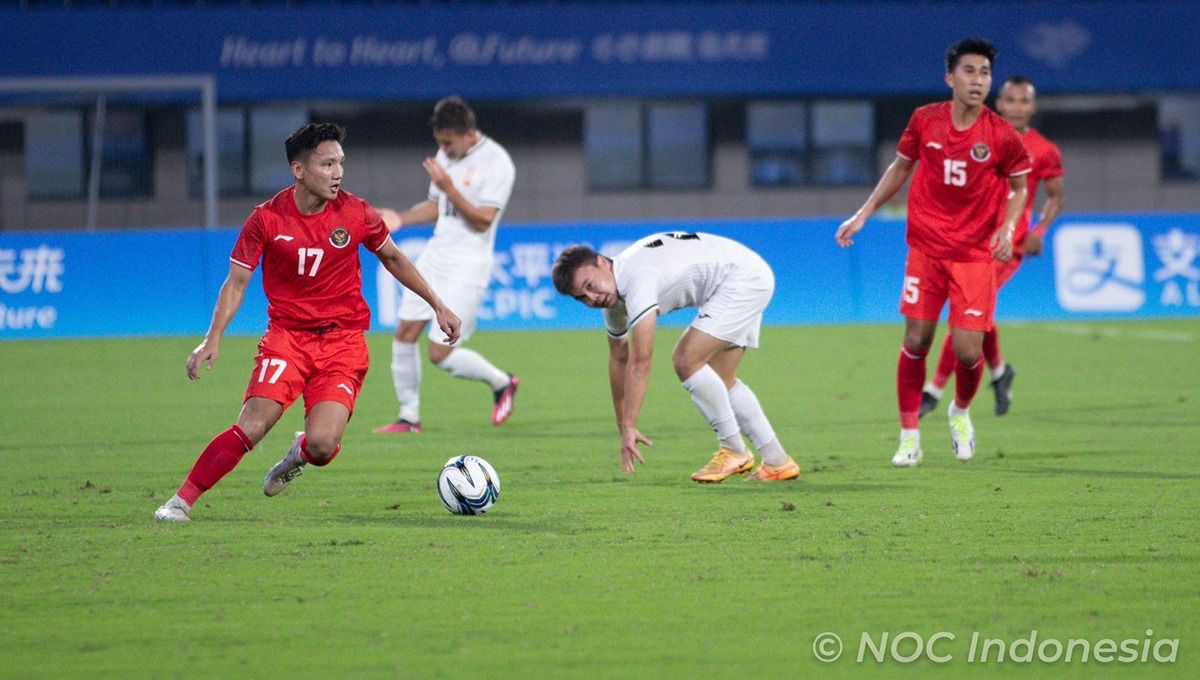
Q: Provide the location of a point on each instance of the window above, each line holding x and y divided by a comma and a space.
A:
801, 143
54, 155
843, 134
125, 163
613, 141
1179, 137
231, 152
678, 146
269, 127
629, 145
777, 138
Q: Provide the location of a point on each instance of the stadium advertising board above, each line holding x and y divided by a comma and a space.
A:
504, 51
122, 284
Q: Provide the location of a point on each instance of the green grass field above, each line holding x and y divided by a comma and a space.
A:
1078, 519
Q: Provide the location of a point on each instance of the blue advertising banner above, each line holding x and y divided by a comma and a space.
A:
507, 51
165, 282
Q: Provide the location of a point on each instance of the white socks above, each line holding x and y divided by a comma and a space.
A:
935, 391
753, 422
465, 363
998, 372
710, 396
406, 376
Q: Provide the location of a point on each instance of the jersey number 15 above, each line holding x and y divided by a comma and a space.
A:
955, 172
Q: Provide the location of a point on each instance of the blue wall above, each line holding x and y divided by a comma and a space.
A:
165, 282
708, 49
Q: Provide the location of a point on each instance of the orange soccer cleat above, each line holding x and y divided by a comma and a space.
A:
775, 473
724, 464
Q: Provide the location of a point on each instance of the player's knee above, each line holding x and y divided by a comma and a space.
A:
321, 448
968, 355
917, 342
685, 366
438, 353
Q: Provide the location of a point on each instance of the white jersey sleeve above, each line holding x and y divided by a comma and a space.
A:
484, 176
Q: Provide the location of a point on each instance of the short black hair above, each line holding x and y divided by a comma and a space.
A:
981, 46
453, 114
1018, 79
569, 262
305, 139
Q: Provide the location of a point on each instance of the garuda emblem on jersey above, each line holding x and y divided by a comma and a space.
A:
340, 238
981, 152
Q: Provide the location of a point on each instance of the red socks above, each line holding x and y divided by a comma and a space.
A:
910, 378
991, 348
966, 382
307, 457
221, 455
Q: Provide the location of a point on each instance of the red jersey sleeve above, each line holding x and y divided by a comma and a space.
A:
910, 141
249, 246
1053, 162
377, 234
1015, 159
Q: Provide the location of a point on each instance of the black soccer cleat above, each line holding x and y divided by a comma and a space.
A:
1003, 388
928, 403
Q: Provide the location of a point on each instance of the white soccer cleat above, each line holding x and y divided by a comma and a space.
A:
962, 435
287, 469
174, 510
909, 453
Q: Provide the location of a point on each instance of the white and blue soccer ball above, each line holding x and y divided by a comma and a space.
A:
468, 485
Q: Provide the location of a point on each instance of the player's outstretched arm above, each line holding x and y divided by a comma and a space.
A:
891, 181
403, 270
1002, 241
637, 377
425, 211
1050, 212
233, 290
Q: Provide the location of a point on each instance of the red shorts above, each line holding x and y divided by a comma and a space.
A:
1005, 270
930, 281
323, 366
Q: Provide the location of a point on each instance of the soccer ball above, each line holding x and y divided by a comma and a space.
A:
468, 485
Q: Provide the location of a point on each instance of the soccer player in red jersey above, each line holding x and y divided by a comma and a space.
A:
307, 238
966, 159
1017, 102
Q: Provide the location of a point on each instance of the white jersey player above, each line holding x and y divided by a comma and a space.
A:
471, 179
730, 287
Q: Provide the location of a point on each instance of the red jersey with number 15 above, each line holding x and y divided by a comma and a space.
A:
960, 181
311, 272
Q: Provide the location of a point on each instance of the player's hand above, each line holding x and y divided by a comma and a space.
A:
1002, 245
437, 174
205, 353
630, 438
847, 230
390, 217
450, 324
1032, 244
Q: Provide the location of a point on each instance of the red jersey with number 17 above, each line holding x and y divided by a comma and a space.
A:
960, 181
311, 272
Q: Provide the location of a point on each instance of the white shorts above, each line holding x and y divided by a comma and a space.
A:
734, 313
463, 300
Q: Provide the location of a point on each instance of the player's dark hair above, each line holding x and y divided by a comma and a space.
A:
305, 139
569, 262
981, 46
1018, 79
452, 114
